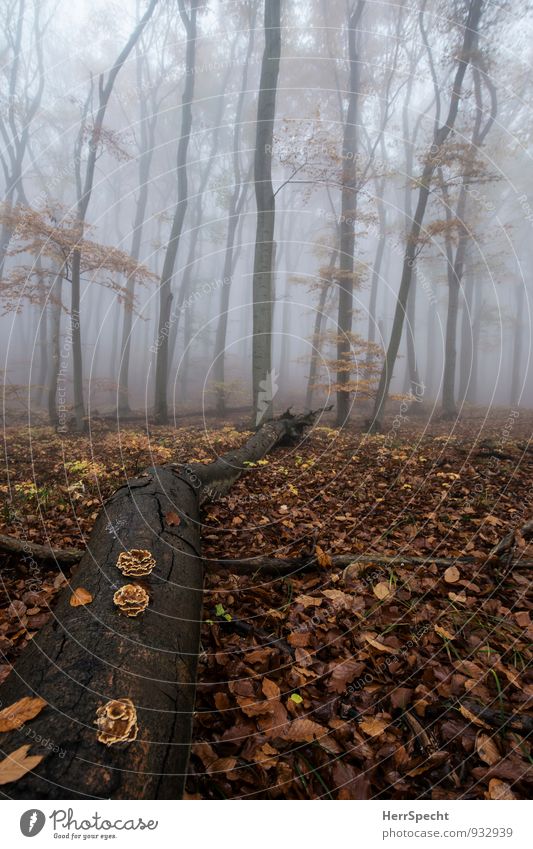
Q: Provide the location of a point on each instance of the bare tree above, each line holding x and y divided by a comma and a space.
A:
440, 135
165, 288
84, 187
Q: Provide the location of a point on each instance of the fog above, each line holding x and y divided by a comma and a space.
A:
99, 168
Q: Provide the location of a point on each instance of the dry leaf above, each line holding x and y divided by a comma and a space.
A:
172, 519
376, 644
222, 765
442, 632
80, 597
472, 717
373, 726
452, 575
343, 673
499, 790
304, 731
17, 764
322, 558
487, 749
17, 714
270, 689
382, 590
308, 601
298, 638
458, 597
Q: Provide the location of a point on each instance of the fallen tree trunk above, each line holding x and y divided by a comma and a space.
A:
92, 654
291, 566
41, 553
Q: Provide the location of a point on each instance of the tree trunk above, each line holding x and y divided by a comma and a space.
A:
465, 361
317, 330
75, 329
165, 289
93, 654
55, 343
347, 232
516, 388
263, 379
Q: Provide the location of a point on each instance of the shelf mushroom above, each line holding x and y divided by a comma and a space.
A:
116, 722
131, 599
136, 562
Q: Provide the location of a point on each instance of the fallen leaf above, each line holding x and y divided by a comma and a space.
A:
172, 519
376, 644
304, 731
452, 575
17, 764
457, 597
270, 689
322, 558
308, 601
487, 749
499, 790
17, 714
442, 632
343, 673
373, 726
472, 717
222, 765
382, 590
80, 597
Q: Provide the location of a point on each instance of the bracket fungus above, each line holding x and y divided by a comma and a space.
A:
136, 562
131, 599
116, 722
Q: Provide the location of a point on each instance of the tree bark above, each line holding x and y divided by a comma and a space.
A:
263, 379
92, 654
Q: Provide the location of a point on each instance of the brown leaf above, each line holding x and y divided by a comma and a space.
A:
401, 697
322, 558
487, 749
17, 714
298, 638
499, 790
472, 717
304, 731
442, 632
17, 764
343, 673
452, 575
172, 519
270, 689
222, 765
376, 644
308, 600
80, 597
253, 707
383, 590
373, 726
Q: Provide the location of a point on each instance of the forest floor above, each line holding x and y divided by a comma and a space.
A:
376, 681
